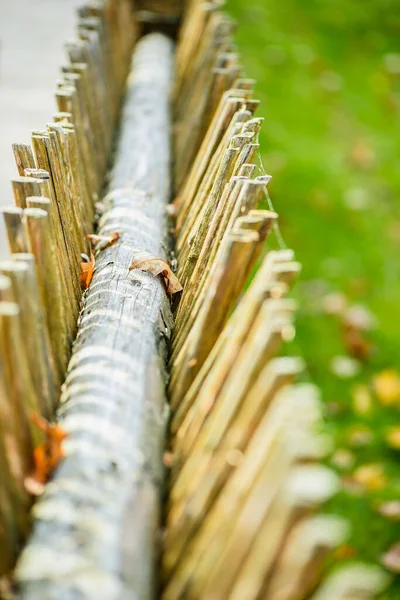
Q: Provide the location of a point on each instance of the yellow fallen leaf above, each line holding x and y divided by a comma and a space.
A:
362, 400
387, 387
370, 476
343, 459
393, 437
360, 436
157, 266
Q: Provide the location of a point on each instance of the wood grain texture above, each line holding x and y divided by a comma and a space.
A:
96, 525
163, 7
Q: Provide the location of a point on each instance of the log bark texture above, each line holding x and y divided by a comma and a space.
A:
162, 7
96, 525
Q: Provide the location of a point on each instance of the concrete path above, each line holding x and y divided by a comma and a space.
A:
32, 35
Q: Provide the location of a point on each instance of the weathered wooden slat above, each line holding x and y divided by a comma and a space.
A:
97, 522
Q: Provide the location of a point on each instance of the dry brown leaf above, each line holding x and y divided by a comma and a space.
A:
46, 456
101, 242
356, 343
87, 269
168, 460
391, 559
387, 387
157, 266
344, 552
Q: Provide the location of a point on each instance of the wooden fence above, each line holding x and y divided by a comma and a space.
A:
171, 450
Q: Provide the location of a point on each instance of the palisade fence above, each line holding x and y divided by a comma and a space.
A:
169, 448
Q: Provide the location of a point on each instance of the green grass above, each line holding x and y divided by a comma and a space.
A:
331, 99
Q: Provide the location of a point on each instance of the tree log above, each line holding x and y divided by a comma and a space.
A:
96, 525
162, 7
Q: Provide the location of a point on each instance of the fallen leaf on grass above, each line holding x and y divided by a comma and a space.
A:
351, 486
371, 476
362, 400
387, 387
393, 437
343, 459
46, 456
101, 242
336, 408
391, 510
391, 559
157, 266
356, 343
87, 269
343, 552
363, 154
354, 321
360, 436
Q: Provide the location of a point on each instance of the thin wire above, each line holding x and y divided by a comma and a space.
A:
276, 229
283, 246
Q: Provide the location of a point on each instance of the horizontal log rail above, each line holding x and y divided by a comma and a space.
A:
113, 405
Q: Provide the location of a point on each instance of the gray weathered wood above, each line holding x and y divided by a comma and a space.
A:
96, 525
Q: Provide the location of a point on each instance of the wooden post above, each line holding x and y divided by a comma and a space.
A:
16, 235
23, 157
25, 291
96, 524
354, 581
301, 561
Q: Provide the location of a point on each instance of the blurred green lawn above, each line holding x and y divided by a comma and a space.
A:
328, 77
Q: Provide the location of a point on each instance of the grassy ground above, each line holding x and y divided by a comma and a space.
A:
328, 78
